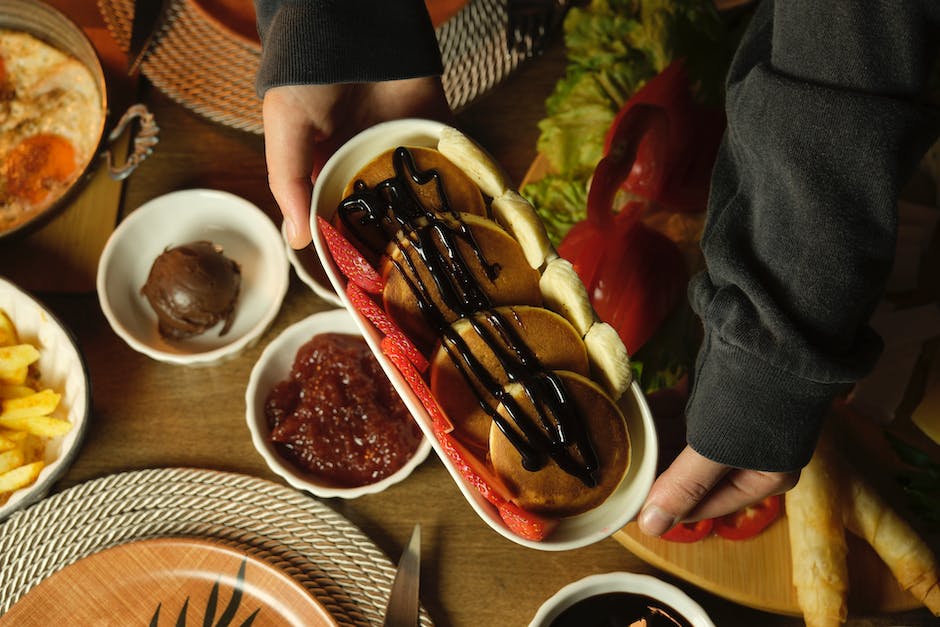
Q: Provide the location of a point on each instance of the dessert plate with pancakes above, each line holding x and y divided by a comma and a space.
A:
525, 395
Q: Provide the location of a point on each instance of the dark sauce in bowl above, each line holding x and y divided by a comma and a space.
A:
338, 417
619, 609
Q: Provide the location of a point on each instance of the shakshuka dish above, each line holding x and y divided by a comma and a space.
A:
51, 118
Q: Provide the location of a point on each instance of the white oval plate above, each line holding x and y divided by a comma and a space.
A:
246, 235
62, 368
571, 533
621, 582
274, 366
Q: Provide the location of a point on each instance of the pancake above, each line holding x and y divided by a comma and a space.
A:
551, 491
550, 338
461, 288
513, 281
462, 194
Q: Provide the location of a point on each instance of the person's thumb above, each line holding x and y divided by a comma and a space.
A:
678, 491
289, 143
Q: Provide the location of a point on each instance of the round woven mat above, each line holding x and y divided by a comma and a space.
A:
211, 70
329, 556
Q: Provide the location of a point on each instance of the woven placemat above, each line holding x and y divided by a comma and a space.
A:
326, 553
211, 70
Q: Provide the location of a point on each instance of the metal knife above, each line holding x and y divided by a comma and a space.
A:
149, 17
402, 608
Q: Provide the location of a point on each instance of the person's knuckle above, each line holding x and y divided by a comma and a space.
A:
690, 491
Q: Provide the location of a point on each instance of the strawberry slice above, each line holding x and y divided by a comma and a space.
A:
403, 362
474, 470
526, 524
377, 316
350, 260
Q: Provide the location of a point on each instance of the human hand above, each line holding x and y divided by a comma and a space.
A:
694, 487
305, 124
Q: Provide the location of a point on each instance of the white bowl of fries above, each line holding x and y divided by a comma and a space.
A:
46, 399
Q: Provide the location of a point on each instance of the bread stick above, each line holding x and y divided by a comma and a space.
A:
817, 541
905, 553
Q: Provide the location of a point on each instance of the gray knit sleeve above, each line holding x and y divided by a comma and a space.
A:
825, 124
341, 41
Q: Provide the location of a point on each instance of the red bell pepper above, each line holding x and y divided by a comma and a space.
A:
749, 521
689, 531
657, 149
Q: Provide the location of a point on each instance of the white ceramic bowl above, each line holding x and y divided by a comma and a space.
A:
571, 533
61, 368
273, 366
309, 270
246, 236
621, 582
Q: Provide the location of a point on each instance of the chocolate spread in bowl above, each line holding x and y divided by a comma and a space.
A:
620, 608
192, 288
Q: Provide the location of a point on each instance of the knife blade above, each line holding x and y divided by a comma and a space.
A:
402, 607
149, 17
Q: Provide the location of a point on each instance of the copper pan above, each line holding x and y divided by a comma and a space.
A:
53, 27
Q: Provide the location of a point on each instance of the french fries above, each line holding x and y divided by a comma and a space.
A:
27, 419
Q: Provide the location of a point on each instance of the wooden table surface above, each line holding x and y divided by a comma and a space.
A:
148, 414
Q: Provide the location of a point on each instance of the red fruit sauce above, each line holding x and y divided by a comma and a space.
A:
337, 415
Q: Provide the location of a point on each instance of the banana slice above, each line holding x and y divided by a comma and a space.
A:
518, 216
609, 359
564, 293
474, 161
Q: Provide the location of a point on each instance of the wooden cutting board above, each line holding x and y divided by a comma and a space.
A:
757, 572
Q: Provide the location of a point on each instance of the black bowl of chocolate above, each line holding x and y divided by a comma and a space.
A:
620, 599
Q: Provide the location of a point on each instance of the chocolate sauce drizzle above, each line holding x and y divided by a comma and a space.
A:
392, 212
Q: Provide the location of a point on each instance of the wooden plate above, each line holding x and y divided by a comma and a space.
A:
757, 572
165, 582
238, 16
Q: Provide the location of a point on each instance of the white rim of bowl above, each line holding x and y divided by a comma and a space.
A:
333, 320
621, 581
325, 292
216, 354
38, 490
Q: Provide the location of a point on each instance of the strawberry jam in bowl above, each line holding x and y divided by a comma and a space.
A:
323, 414
486, 333
337, 416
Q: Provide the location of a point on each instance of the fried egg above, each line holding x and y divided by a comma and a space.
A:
51, 118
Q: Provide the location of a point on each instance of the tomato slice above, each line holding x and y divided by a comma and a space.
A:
749, 521
689, 531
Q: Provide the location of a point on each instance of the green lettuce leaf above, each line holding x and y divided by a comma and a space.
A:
613, 47
559, 201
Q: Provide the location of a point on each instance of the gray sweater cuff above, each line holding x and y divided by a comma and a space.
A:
344, 41
737, 398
